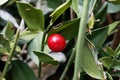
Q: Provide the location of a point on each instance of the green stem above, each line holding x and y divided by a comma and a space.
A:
10, 56
93, 6
42, 48
44, 36
81, 37
68, 65
39, 69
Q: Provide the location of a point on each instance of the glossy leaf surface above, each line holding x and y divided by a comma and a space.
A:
55, 2
4, 43
60, 10
112, 8
8, 31
28, 35
99, 35
21, 71
68, 29
35, 45
33, 17
100, 16
89, 64
106, 61
45, 58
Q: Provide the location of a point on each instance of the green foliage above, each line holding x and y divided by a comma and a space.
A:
113, 8
45, 58
96, 35
60, 10
110, 51
27, 36
3, 50
117, 50
97, 59
110, 60
114, 1
33, 17
62, 28
98, 15
116, 64
8, 31
35, 45
4, 44
107, 61
109, 76
74, 6
55, 2
21, 71
89, 64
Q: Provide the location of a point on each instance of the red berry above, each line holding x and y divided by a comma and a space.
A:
56, 42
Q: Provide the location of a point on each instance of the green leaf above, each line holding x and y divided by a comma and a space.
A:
109, 76
99, 35
100, 14
8, 31
110, 51
116, 64
4, 42
114, 1
3, 50
60, 10
2, 2
33, 17
102, 52
28, 35
21, 71
110, 63
113, 8
89, 64
17, 49
106, 61
117, 50
35, 45
75, 6
112, 27
45, 58
116, 73
55, 2
68, 29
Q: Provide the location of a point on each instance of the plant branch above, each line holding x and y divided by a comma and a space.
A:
11, 54
68, 65
93, 6
42, 47
81, 37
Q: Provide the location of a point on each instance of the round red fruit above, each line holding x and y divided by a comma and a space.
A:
56, 42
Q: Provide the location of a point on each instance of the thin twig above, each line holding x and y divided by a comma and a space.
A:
10, 56
68, 65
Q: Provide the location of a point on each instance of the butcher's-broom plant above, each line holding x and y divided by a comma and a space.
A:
75, 39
